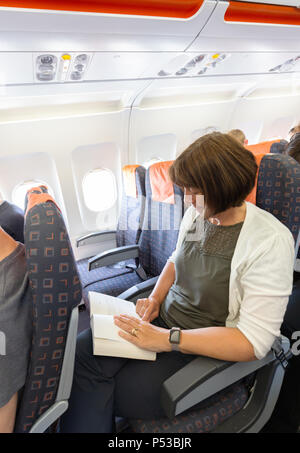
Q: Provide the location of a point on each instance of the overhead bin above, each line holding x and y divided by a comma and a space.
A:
114, 25
164, 8
248, 26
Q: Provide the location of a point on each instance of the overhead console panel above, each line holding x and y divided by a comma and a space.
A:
248, 26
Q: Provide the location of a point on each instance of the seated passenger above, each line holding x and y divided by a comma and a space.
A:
15, 327
225, 287
12, 220
239, 136
294, 130
293, 148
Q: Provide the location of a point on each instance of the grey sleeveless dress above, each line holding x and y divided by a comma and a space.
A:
199, 296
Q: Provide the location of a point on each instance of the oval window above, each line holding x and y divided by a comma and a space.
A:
19, 192
99, 189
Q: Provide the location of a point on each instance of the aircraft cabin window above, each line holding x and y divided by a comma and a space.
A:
99, 189
19, 192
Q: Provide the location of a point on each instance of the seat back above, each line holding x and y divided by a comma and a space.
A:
252, 195
262, 147
132, 206
278, 189
279, 147
55, 291
163, 213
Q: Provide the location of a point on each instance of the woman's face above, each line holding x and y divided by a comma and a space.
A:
193, 196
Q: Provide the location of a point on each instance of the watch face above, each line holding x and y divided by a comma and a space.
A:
175, 335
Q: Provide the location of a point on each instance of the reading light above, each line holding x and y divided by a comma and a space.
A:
46, 67
76, 75
287, 65
79, 68
188, 66
214, 61
182, 71
82, 58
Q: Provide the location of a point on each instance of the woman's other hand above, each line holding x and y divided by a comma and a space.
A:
148, 309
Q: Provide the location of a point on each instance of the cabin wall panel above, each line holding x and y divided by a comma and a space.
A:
182, 121
266, 118
59, 137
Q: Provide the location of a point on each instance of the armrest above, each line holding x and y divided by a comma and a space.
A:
140, 290
113, 256
83, 240
204, 377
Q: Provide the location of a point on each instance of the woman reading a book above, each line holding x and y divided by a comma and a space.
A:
222, 293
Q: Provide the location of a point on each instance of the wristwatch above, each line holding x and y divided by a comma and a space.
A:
174, 338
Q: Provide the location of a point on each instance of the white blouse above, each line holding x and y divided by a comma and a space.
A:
261, 276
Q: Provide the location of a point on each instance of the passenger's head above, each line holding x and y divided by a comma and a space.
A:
218, 167
294, 131
293, 148
239, 136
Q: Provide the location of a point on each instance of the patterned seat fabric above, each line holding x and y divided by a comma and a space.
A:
55, 290
279, 147
203, 417
128, 232
278, 189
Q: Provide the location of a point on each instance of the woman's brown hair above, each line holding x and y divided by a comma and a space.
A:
220, 167
293, 148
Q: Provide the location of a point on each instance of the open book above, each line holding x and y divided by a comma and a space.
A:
106, 340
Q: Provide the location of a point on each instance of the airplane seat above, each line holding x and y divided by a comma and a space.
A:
279, 147
278, 189
252, 195
127, 233
55, 293
163, 214
206, 388
203, 417
262, 147
165, 208
133, 205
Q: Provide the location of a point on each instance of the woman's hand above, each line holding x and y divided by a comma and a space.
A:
143, 334
148, 309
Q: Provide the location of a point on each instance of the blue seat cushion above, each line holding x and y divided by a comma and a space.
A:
202, 418
102, 273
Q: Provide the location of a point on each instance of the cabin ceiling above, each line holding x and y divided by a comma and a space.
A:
143, 51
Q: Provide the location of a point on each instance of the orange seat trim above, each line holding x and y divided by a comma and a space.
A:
35, 199
182, 9
262, 13
161, 185
129, 180
261, 148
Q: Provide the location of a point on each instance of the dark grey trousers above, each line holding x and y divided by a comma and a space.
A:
105, 387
